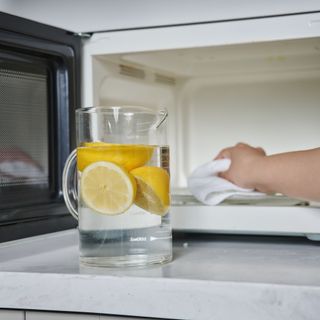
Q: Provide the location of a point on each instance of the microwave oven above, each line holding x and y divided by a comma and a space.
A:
254, 80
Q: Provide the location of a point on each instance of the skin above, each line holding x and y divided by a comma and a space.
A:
295, 174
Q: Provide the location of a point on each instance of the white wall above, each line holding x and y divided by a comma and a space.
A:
93, 15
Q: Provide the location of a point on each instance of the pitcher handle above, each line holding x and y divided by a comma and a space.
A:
163, 116
69, 184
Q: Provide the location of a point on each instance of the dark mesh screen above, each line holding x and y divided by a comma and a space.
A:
23, 129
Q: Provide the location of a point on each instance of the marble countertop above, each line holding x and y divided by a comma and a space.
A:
211, 277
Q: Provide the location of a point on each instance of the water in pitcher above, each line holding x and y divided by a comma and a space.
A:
124, 204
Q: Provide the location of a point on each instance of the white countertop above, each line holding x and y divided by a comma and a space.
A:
211, 277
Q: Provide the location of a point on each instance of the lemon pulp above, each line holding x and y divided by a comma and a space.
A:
125, 155
107, 188
153, 192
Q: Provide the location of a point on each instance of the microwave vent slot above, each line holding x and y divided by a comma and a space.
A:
160, 78
130, 71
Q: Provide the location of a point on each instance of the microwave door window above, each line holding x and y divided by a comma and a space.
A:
24, 163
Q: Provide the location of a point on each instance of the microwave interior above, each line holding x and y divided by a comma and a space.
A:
265, 94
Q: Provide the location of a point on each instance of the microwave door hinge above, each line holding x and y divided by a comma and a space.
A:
83, 35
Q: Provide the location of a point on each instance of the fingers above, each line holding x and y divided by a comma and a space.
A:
242, 144
225, 175
222, 175
261, 150
224, 153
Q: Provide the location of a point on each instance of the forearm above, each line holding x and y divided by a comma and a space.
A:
295, 174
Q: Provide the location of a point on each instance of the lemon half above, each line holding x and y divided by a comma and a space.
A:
128, 156
107, 188
153, 189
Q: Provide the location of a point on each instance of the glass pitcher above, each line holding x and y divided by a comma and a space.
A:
116, 184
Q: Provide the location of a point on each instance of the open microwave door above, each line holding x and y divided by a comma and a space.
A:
39, 90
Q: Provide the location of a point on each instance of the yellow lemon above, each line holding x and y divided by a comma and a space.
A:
107, 188
153, 194
125, 155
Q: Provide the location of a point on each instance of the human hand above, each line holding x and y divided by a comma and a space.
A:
245, 164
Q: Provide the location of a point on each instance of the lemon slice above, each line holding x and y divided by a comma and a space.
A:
125, 155
107, 188
153, 185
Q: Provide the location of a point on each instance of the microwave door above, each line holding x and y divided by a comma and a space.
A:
39, 90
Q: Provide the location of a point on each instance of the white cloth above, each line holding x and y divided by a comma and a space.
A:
210, 189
